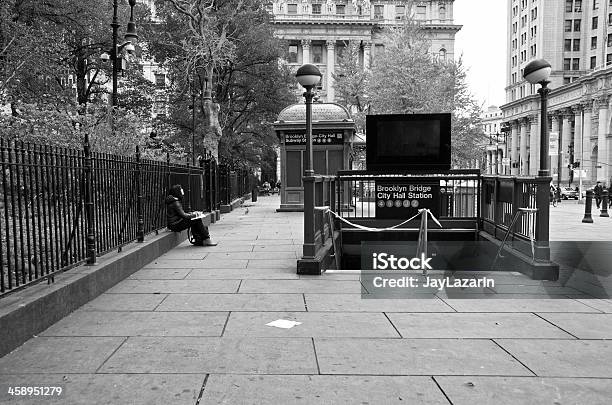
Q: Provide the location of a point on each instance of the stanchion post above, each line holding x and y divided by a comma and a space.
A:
604, 204
588, 219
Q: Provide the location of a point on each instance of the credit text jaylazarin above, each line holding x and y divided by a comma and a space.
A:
432, 282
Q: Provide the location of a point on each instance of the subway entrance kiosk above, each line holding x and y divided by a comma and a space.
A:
333, 131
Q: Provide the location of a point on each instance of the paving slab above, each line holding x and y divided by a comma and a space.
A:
89, 323
277, 247
107, 389
562, 358
253, 255
583, 326
175, 286
415, 357
160, 274
178, 264
355, 303
306, 390
124, 302
300, 286
222, 264
233, 302
313, 324
243, 274
602, 305
525, 390
533, 289
475, 326
214, 355
519, 305
59, 355
288, 264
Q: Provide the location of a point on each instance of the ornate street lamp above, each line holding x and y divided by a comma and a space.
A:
130, 37
538, 71
308, 76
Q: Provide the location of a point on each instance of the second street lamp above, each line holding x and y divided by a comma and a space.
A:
538, 71
130, 37
308, 76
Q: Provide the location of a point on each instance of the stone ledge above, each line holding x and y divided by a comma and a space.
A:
26, 313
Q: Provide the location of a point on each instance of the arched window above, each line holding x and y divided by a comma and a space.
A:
442, 54
442, 13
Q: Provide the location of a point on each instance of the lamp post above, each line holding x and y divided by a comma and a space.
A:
308, 76
130, 36
538, 71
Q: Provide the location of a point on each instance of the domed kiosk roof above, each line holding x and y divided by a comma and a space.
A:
320, 112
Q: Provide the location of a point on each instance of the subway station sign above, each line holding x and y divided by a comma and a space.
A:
402, 199
318, 138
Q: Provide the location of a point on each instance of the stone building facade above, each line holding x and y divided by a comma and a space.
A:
316, 31
491, 122
575, 37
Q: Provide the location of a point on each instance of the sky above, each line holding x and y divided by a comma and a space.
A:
482, 41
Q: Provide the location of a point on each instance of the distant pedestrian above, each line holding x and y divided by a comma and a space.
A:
598, 191
179, 220
553, 200
558, 194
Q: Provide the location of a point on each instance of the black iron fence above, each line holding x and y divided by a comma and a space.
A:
62, 207
504, 196
459, 191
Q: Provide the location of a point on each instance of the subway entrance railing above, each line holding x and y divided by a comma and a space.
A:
63, 207
470, 207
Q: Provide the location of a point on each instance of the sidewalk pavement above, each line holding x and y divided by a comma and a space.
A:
566, 223
191, 328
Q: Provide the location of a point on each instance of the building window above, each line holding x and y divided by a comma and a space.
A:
270, 7
442, 13
340, 9
568, 26
576, 44
577, 6
400, 12
608, 58
317, 54
595, 4
442, 54
577, 25
379, 49
160, 80
567, 63
291, 8
594, 23
569, 5
567, 45
566, 80
609, 39
593, 42
379, 11
534, 14
293, 54
421, 12
316, 9
575, 64
593, 62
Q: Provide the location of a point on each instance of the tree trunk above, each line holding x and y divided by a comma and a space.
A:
211, 129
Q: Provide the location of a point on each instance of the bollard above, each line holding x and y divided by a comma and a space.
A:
587, 207
604, 204
254, 194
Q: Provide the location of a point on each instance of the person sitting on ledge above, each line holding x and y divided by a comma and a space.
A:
179, 220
